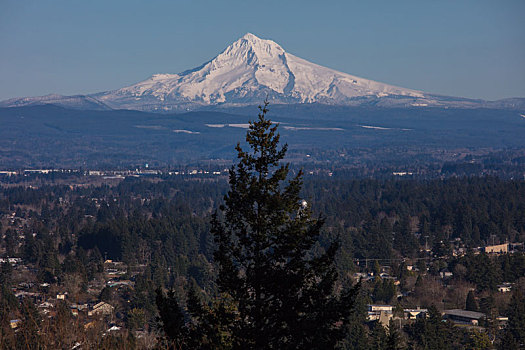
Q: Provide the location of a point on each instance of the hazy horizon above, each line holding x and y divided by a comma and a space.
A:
470, 49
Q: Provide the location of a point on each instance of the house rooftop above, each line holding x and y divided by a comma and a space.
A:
464, 313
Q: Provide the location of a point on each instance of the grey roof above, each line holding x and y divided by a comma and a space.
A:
464, 313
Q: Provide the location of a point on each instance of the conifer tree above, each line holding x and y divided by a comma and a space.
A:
394, 338
432, 333
471, 304
282, 289
514, 333
172, 319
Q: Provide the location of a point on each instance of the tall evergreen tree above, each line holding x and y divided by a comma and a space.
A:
514, 332
283, 288
172, 319
394, 338
471, 304
432, 333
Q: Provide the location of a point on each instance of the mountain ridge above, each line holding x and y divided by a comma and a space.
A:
251, 70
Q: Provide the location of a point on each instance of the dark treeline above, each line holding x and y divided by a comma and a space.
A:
375, 219
405, 215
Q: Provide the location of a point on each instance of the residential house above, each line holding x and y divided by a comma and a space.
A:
101, 308
445, 274
14, 323
413, 314
463, 316
380, 313
505, 287
497, 249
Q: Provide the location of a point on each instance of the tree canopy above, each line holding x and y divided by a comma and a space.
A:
273, 276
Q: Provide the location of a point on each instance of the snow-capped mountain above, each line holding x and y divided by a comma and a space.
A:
245, 73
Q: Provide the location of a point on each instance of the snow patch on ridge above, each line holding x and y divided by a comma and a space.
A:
182, 131
242, 126
298, 128
382, 128
374, 127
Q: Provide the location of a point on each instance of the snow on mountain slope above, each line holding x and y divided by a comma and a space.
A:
313, 82
248, 71
74, 102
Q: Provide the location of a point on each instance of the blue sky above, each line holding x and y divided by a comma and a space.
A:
469, 48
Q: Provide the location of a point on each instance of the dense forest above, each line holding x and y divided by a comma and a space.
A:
369, 215
159, 228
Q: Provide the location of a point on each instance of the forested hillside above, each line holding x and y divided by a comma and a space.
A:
159, 229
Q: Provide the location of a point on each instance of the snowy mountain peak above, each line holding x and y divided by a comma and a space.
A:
258, 43
245, 73
251, 37
261, 45
251, 51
